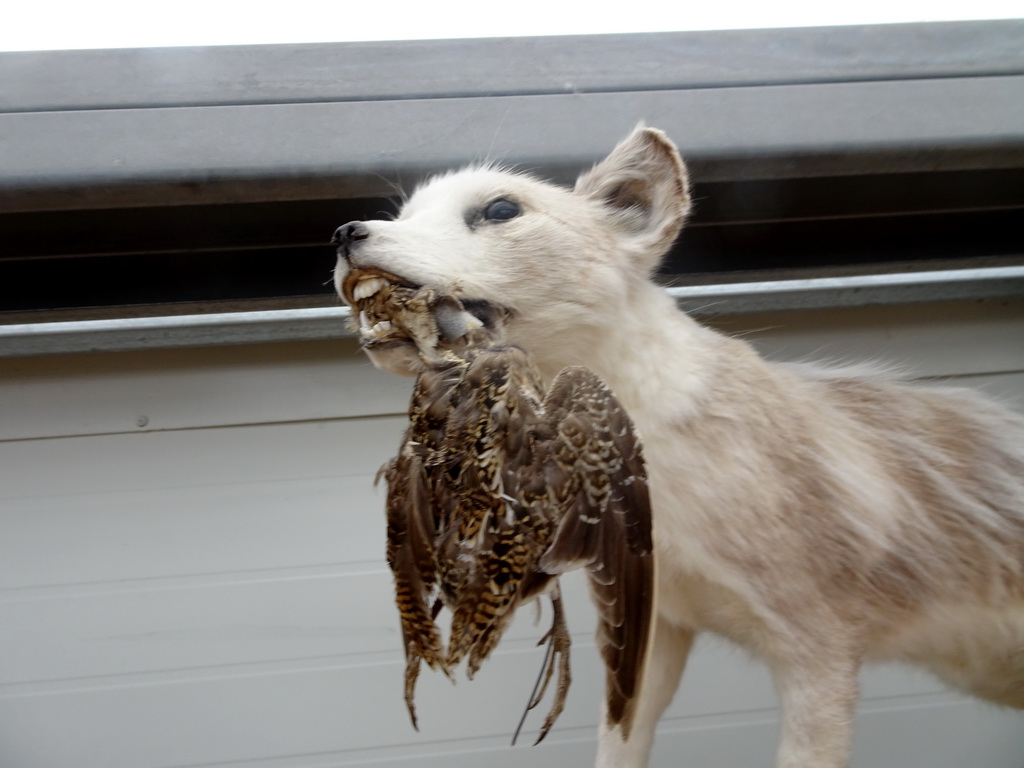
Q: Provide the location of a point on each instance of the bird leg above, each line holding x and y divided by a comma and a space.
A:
559, 642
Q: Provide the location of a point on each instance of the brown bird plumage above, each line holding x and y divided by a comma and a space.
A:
499, 487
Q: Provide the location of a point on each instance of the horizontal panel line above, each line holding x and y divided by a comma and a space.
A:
186, 675
281, 422
482, 745
193, 580
423, 749
330, 322
967, 377
851, 291
869, 215
339, 477
251, 246
485, 92
866, 704
218, 250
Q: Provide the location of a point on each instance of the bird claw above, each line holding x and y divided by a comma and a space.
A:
559, 642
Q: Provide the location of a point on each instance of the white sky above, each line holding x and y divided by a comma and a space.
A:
63, 24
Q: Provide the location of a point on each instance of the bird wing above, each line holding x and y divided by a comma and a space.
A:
418, 508
410, 553
596, 465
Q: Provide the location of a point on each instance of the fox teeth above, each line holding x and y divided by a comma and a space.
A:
364, 289
377, 329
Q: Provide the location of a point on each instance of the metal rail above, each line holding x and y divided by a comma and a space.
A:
125, 334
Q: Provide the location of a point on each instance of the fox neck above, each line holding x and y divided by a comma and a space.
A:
651, 354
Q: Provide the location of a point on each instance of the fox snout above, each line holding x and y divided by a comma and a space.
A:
347, 235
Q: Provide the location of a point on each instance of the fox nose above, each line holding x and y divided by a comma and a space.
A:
347, 234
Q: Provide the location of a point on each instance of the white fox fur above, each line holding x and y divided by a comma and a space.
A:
817, 517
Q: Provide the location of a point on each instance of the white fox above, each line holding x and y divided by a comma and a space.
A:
819, 518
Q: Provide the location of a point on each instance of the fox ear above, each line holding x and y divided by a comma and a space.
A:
644, 184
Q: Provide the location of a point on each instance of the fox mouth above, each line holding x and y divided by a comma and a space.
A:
383, 304
372, 293
363, 283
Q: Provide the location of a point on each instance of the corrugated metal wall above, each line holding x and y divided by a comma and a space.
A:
192, 574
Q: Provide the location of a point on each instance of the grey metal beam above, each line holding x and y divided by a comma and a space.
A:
330, 323
231, 75
851, 291
133, 157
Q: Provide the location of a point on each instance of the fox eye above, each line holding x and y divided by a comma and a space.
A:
501, 209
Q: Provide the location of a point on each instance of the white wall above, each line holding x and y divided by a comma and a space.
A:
191, 572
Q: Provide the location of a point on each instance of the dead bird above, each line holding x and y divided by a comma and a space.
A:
499, 487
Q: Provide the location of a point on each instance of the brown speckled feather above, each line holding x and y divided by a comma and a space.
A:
607, 526
498, 488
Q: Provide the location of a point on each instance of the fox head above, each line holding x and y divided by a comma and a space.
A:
557, 260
